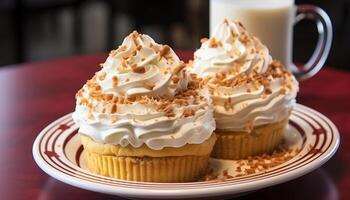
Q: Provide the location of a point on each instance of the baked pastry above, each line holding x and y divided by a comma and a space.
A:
252, 94
142, 118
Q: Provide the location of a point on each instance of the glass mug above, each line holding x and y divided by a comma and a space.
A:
272, 21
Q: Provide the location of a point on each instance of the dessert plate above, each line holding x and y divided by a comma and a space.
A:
57, 151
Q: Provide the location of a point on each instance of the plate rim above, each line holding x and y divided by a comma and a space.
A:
193, 192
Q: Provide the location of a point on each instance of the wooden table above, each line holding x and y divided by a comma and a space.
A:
34, 94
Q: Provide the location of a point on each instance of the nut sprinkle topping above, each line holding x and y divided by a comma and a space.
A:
275, 70
254, 164
163, 104
138, 69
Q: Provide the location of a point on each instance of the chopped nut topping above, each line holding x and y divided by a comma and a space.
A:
135, 34
114, 81
254, 164
98, 88
175, 79
134, 52
244, 39
228, 105
138, 69
79, 93
210, 176
123, 63
148, 86
234, 35
83, 101
169, 110
164, 50
240, 24
125, 57
180, 67
188, 112
121, 48
170, 60
274, 70
102, 76
107, 103
95, 94
114, 108
268, 91
108, 97
113, 53
225, 174
220, 75
214, 44
225, 21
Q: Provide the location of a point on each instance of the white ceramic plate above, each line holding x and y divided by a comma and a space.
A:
57, 151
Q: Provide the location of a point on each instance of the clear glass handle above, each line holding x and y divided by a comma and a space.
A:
324, 27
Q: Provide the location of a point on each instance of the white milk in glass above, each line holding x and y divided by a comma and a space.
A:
270, 20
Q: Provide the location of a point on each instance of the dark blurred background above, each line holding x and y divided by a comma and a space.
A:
33, 30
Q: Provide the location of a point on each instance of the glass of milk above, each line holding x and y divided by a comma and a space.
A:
272, 21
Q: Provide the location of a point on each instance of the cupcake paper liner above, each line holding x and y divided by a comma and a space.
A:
241, 145
148, 169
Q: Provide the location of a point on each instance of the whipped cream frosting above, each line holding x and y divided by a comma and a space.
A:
142, 95
247, 87
141, 67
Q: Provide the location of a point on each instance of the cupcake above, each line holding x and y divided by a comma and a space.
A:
252, 94
142, 118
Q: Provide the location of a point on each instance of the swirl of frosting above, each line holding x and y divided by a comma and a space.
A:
247, 88
230, 49
172, 113
141, 66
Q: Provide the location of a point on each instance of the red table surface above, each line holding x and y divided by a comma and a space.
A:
35, 94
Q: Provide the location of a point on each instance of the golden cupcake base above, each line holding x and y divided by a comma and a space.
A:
241, 145
148, 169
182, 164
